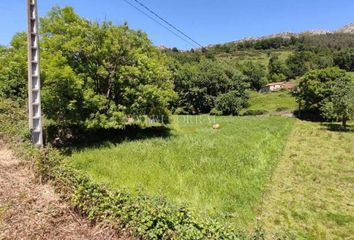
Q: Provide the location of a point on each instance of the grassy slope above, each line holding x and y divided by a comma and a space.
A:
220, 173
312, 193
271, 101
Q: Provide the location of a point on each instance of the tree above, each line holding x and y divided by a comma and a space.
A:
277, 69
340, 104
307, 58
13, 69
327, 91
99, 75
256, 74
231, 103
198, 85
345, 59
300, 63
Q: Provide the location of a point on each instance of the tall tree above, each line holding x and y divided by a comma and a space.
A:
99, 75
13, 69
339, 105
328, 91
277, 70
256, 74
345, 59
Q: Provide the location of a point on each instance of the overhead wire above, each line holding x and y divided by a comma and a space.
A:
190, 41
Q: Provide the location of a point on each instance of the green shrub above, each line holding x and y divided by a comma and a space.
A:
230, 103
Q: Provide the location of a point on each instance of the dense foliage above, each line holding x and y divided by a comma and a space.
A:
94, 75
100, 74
328, 91
200, 84
13, 69
345, 59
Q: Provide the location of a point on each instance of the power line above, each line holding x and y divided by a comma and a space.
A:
153, 19
166, 22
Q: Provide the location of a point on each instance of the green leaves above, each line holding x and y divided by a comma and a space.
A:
13, 69
231, 103
339, 105
98, 75
329, 91
198, 85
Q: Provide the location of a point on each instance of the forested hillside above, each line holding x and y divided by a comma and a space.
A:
283, 57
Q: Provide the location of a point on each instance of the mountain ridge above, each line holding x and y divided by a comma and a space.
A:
346, 29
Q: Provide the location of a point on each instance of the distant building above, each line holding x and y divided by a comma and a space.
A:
289, 86
276, 86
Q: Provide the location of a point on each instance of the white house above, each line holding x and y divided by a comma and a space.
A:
271, 87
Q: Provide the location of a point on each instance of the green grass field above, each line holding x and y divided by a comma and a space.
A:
217, 173
272, 102
311, 193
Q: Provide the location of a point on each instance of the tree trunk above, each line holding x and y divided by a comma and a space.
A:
344, 123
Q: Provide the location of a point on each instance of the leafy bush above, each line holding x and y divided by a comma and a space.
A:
230, 103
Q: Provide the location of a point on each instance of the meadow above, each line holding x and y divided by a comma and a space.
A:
220, 174
272, 102
311, 193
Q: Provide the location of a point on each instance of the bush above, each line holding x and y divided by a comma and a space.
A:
230, 103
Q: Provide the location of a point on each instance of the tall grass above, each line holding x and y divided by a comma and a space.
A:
217, 173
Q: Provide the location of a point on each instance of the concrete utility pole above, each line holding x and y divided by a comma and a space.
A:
34, 84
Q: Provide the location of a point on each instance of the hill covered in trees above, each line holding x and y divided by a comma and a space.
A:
279, 57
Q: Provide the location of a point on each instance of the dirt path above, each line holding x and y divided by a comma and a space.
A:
29, 210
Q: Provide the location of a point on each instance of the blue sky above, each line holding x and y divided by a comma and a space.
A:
206, 21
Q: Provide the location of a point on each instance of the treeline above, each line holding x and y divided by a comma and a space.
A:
98, 75
203, 80
335, 41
